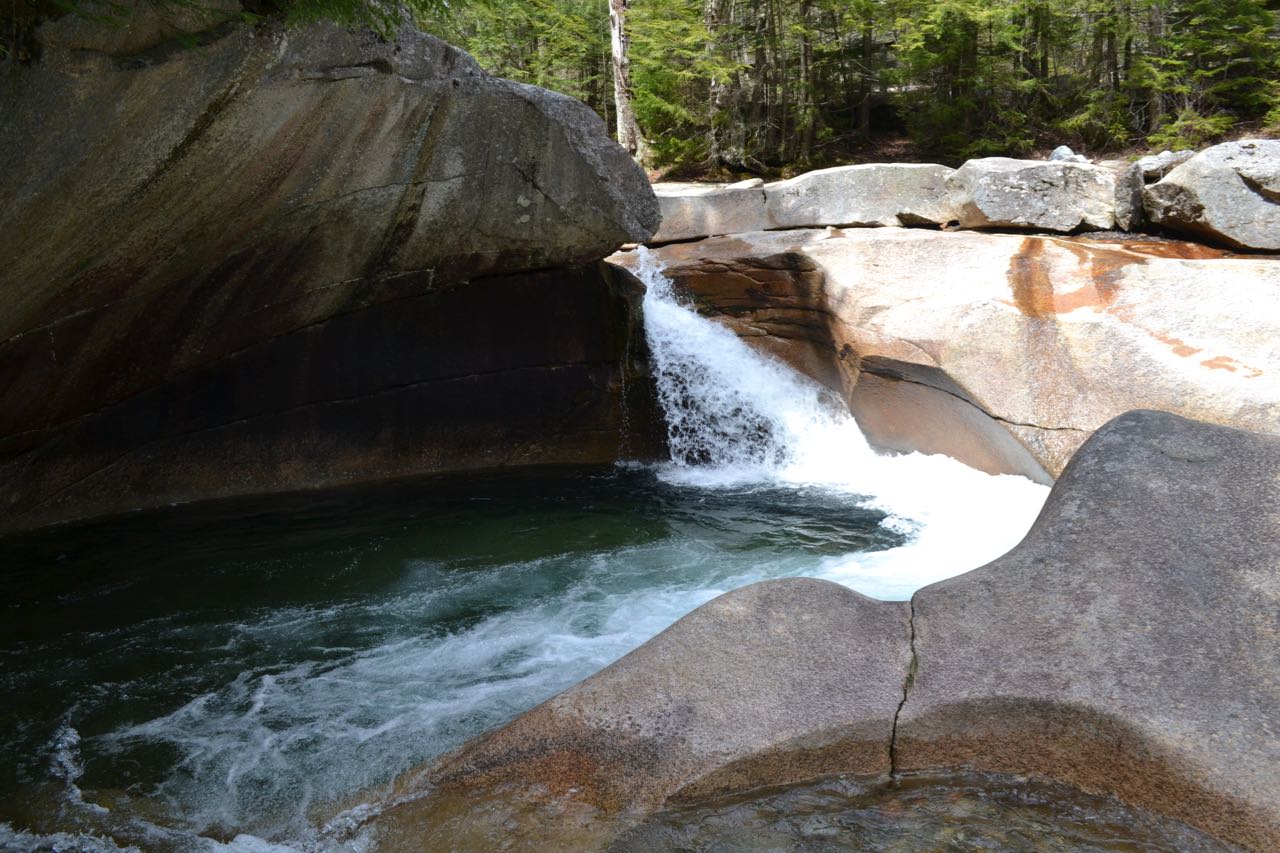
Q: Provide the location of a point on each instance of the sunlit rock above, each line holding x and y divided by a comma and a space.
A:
1001, 350
1156, 166
866, 195
1229, 194
999, 192
692, 212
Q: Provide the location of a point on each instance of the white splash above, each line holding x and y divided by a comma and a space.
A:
736, 417
360, 689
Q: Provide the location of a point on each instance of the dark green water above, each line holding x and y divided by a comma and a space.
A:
231, 668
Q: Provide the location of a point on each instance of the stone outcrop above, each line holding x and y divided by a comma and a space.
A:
1130, 655
1129, 211
691, 213
1228, 194
866, 195
1064, 153
756, 687
858, 196
1134, 659
1064, 196
224, 266
1156, 166
1001, 350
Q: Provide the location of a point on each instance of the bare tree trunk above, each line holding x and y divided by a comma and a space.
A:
726, 146
864, 105
808, 88
629, 136
1155, 34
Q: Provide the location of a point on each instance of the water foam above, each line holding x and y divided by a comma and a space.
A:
736, 416
339, 695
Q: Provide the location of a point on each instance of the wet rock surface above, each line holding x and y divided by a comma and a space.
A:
776, 681
1003, 351
204, 243
1132, 659
779, 668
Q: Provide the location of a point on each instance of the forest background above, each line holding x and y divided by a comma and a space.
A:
714, 88
773, 86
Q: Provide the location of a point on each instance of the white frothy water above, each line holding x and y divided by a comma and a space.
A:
736, 416
334, 696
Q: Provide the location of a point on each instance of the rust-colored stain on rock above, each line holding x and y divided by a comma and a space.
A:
1173, 249
1179, 346
1100, 265
1031, 278
1226, 362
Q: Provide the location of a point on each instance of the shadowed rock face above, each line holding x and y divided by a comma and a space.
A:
1002, 351
473, 375
223, 268
1127, 646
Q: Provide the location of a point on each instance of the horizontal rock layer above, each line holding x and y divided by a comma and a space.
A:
864, 195
1226, 194
1001, 350
1130, 659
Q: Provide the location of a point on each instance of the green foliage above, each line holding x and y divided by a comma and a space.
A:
558, 44
738, 85
1190, 129
1104, 122
672, 66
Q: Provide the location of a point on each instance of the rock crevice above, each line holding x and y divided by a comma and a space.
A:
908, 679
1136, 660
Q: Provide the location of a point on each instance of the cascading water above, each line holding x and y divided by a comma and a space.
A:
736, 418
224, 677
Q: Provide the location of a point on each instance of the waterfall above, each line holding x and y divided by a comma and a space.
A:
427, 616
737, 417
733, 414
729, 410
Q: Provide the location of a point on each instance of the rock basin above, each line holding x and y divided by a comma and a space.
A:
1001, 350
1133, 659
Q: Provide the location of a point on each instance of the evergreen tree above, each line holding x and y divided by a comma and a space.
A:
765, 85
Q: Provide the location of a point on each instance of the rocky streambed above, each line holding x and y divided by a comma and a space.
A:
245, 260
